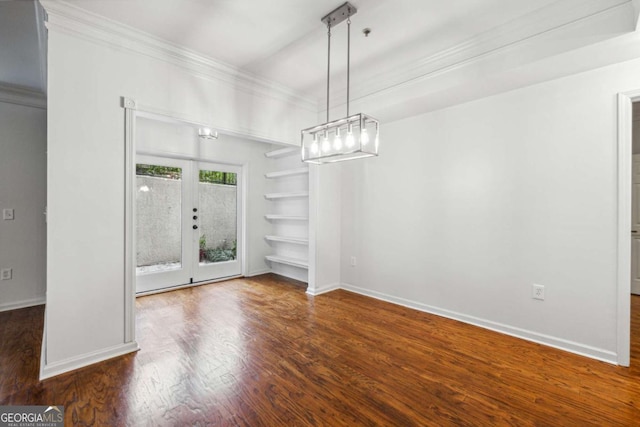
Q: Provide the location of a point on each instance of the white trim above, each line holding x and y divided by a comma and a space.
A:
67, 365
294, 262
559, 343
291, 195
287, 239
562, 18
243, 204
43, 347
179, 156
159, 114
258, 272
323, 289
286, 173
277, 217
282, 152
129, 106
24, 96
188, 285
625, 124
314, 185
65, 17
16, 305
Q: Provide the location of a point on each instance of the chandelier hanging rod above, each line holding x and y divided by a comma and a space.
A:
333, 18
351, 137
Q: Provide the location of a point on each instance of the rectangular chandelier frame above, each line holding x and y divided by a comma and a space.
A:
349, 138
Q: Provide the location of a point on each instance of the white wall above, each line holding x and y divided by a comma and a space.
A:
88, 75
23, 169
324, 227
468, 206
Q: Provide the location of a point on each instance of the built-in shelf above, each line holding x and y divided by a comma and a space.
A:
294, 240
288, 261
287, 191
292, 195
286, 217
289, 172
282, 152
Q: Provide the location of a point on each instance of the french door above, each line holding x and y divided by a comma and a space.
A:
188, 217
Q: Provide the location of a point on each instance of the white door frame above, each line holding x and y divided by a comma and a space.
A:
625, 127
132, 110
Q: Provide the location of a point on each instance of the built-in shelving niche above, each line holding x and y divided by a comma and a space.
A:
288, 196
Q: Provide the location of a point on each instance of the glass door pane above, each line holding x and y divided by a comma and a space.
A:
160, 239
218, 208
158, 219
218, 225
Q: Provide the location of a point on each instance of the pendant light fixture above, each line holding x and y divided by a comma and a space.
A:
352, 137
207, 133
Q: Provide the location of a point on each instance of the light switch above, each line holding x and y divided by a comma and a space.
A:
7, 214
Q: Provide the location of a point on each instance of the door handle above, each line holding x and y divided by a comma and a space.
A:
195, 227
633, 231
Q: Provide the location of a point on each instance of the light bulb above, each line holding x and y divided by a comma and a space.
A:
326, 146
350, 142
364, 137
337, 142
314, 145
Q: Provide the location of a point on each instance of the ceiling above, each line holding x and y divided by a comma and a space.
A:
285, 41
412, 42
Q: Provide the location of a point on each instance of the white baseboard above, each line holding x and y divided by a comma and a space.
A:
15, 305
57, 368
258, 272
43, 346
323, 289
559, 343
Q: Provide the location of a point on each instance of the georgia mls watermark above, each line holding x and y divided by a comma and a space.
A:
31, 416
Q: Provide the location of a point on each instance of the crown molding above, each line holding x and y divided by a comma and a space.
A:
636, 12
70, 19
562, 21
21, 95
41, 17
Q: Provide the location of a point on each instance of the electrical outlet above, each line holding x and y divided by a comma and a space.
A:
538, 292
6, 274
353, 261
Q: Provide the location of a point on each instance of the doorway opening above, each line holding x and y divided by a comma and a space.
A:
187, 217
625, 260
635, 233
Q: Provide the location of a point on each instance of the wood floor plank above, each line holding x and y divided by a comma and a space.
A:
260, 352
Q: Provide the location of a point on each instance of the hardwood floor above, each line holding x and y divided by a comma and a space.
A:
260, 352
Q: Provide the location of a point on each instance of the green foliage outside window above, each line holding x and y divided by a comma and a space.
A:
211, 177
159, 171
215, 177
